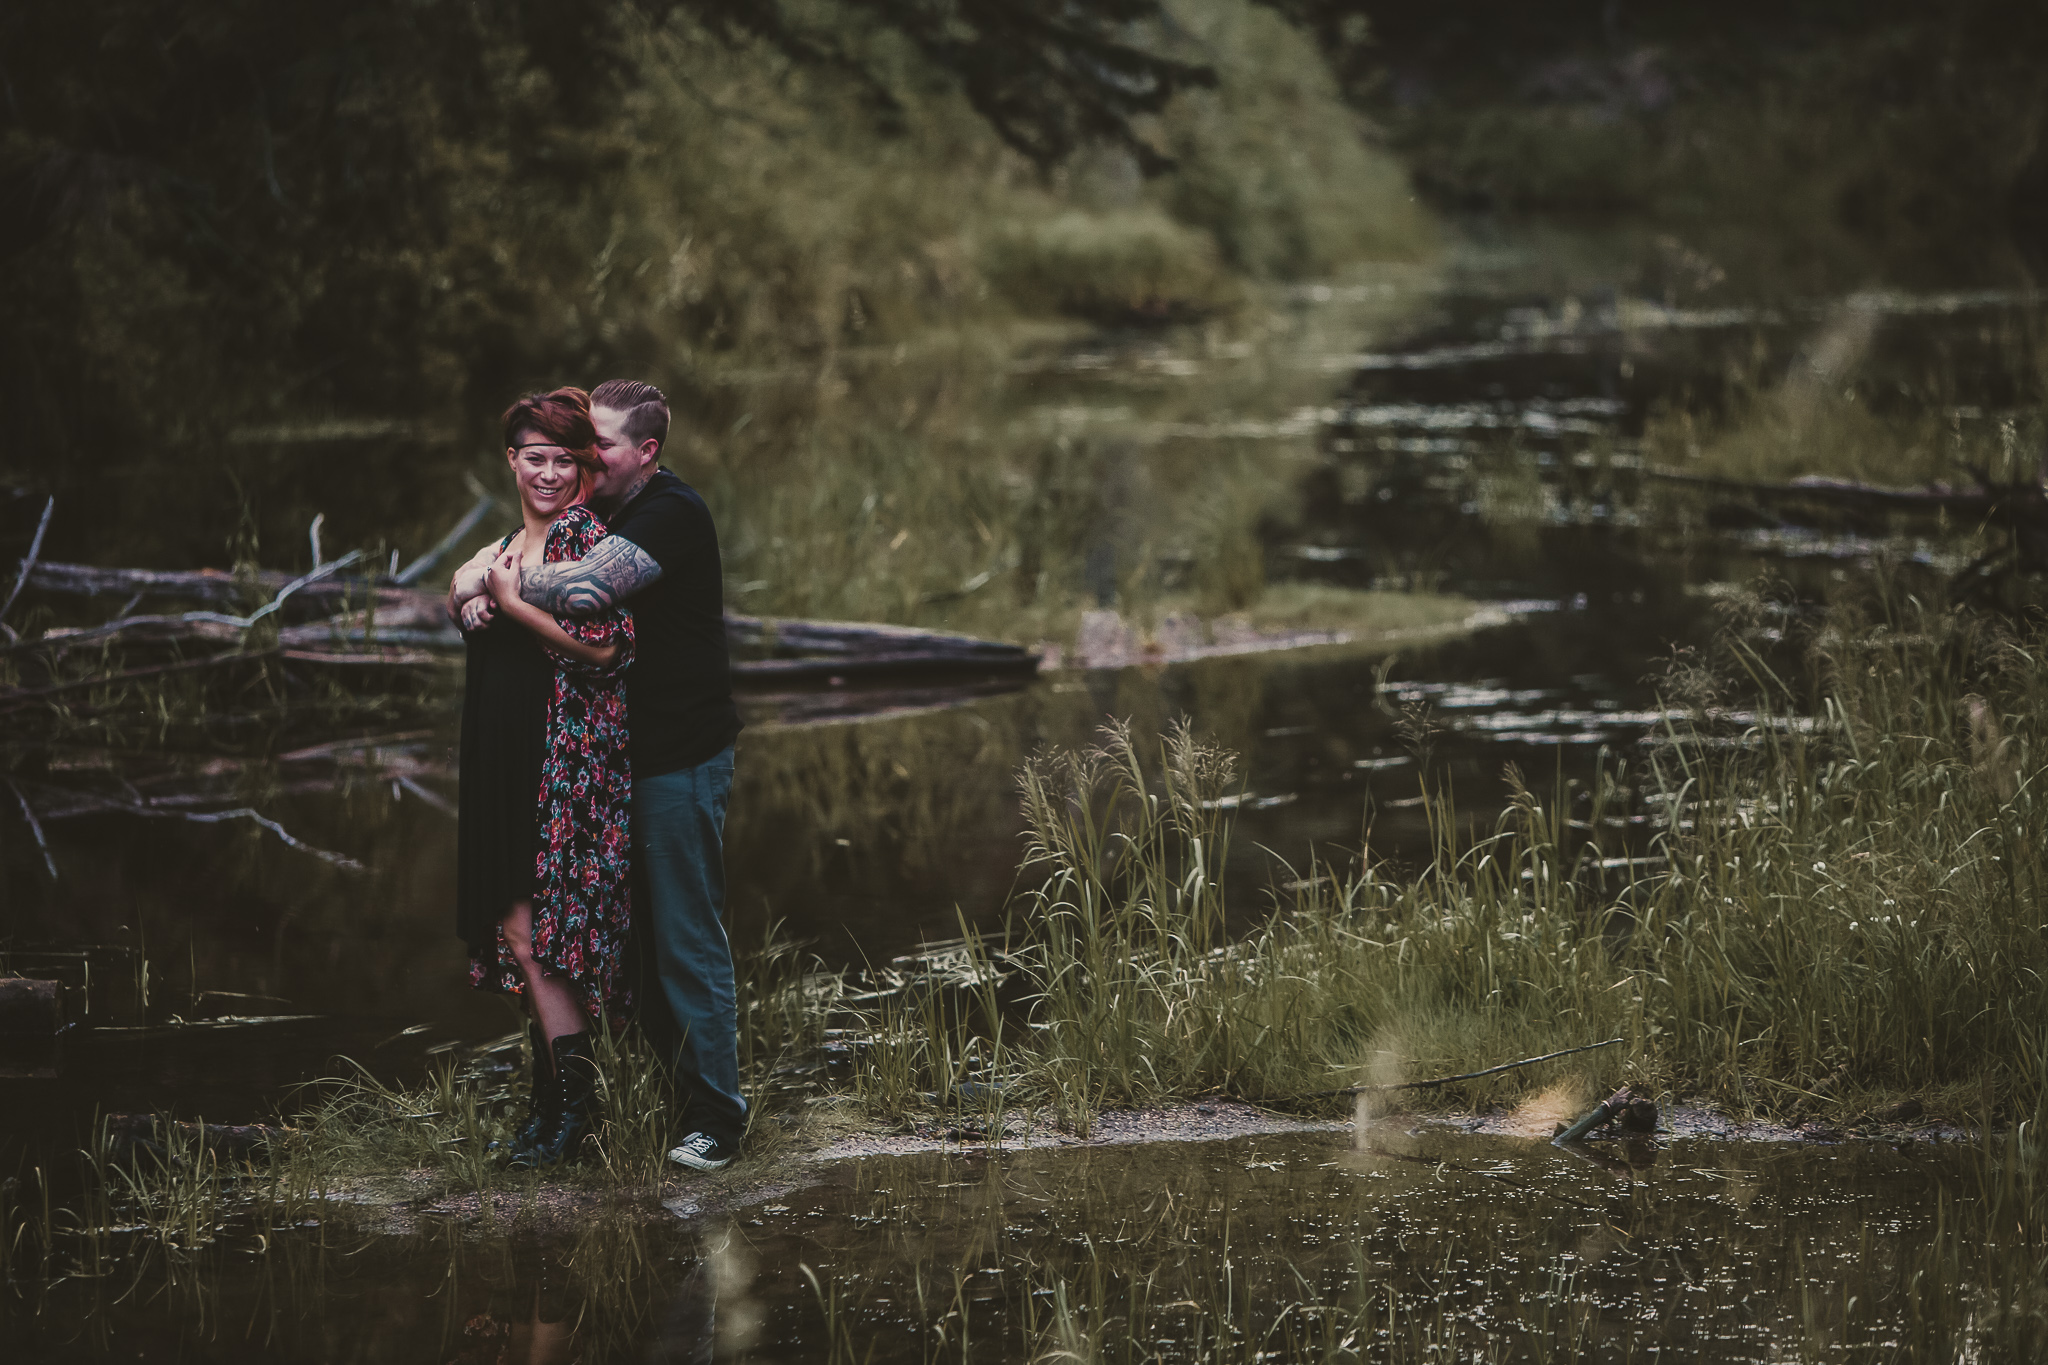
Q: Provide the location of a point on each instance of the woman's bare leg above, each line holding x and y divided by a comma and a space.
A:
554, 1002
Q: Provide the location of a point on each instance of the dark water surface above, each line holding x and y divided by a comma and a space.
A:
1424, 1245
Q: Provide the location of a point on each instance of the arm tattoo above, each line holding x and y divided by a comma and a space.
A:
608, 575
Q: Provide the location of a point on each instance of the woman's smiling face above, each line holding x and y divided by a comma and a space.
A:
548, 476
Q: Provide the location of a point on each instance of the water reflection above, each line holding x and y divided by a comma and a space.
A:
1413, 1237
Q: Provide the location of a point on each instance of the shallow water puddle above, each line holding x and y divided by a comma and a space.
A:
1417, 1245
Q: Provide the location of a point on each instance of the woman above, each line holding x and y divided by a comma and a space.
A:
542, 851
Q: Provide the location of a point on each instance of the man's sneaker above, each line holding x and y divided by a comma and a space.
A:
703, 1152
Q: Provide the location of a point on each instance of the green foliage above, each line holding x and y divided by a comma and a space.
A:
1271, 161
1112, 267
1831, 142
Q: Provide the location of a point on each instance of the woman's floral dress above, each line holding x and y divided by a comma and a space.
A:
581, 907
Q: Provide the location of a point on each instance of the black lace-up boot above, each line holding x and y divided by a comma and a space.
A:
543, 1097
576, 1082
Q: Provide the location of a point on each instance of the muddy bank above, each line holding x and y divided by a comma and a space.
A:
793, 1159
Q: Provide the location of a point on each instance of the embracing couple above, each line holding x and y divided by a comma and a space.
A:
597, 738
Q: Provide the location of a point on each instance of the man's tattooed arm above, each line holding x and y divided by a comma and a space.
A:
607, 576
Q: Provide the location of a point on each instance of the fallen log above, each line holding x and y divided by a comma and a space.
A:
2020, 508
860, 638
883, 665
150, 1133
390, 624
202, 585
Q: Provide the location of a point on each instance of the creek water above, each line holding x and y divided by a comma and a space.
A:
1398, 1245
1475, 427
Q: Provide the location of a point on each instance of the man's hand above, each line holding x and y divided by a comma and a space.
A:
478, 612
607, 576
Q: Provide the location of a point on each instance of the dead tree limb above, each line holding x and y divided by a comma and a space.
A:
147, 810
430, 796
28, 561
35, 827
66, 639
1449, 1080
130, 1135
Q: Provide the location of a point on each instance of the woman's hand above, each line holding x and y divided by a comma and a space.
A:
469, 602
502, 578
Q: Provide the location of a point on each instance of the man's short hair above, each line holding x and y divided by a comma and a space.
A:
645, 408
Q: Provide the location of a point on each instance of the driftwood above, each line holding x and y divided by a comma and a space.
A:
2019, 508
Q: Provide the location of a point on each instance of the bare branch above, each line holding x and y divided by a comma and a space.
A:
1464, 1076
35, 827
148, 810
68, 638
35, 547
414, 571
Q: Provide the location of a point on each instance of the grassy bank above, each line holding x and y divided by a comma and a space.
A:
1840, 906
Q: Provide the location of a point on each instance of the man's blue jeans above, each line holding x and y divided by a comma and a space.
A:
679, 856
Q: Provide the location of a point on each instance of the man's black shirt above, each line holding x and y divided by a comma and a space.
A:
679, 709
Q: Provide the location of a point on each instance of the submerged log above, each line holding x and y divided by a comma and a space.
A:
30, 1007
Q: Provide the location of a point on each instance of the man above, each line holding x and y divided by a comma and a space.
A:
661, 560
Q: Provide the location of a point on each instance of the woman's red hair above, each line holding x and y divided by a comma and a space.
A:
561, 417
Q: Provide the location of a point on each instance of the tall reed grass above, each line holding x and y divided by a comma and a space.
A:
1843, 903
